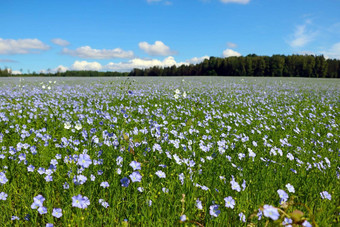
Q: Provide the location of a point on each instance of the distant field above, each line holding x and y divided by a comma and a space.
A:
204, 151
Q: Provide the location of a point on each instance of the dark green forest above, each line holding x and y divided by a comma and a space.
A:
253, 65
250, 65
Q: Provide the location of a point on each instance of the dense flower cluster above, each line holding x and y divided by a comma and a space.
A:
228, 145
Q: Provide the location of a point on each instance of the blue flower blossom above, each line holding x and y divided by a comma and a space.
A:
283, 195
84, 160
57, 212
80, 201
3, 196
183, 218
135, 165
135, 177
104, 184
214, 211
125, 182
3, 179
229, 202
160, 174
42, 210
271, 212
325, 195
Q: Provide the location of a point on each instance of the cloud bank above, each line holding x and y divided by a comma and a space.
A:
125, 66
236, 1
21, 46
156, 49
302, 36
230, 53
60, 42
88, 52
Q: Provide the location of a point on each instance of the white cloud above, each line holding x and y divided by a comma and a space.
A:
236, 1
231, 45
196, 60
61, 69
124, 66
230, 53
21, 46
8, 61
302, 36
333, 52
142, 64
156, 49
87, 66
60, 42
164, 2
16, 72
88, 52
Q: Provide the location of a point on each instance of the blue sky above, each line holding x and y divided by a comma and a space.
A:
118, 35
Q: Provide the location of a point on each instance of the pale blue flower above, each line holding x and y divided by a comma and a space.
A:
30, 168
242, 217
214, 211
290, 188
57, 212
306, 224
199, 204
3, 178
160, 174
80, 201
104, 184
66, 185
84, 160
283, 195
135, 177
287, 222
38, 201
325, 195
235, 186
271, 212
229, 202
3, 196
42, 210
135, 165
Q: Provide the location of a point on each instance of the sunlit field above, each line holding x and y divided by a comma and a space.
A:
204, 151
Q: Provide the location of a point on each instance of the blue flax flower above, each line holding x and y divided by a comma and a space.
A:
3, 196
229, 202
104, 184
135, 165
42, 210
135, 177
3, 178
325, 195
84, 160
160, 174
271, 212
57, 212
80, 201
283, 195
214, 211
125, 182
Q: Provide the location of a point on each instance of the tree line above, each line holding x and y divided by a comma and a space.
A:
253, 65
7, 72
250, 65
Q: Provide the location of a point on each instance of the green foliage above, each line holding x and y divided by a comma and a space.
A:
253, 65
